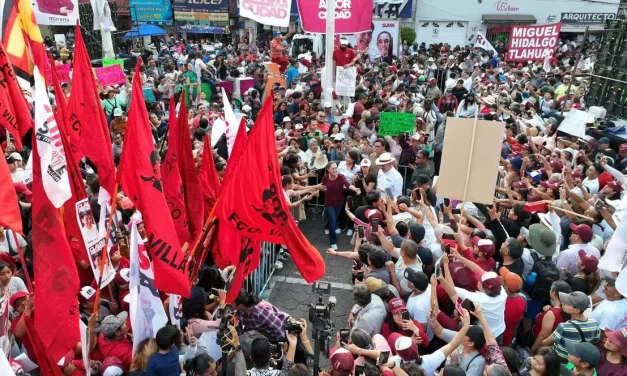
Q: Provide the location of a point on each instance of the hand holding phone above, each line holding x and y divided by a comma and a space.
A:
383, 358
375, 225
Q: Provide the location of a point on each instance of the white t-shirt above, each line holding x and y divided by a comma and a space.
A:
391, 179
348, 174
419, 307
493, 307
198, 65
611, 315
592, 185
5, 246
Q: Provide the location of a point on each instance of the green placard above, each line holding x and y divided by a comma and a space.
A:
108, 62
395, 123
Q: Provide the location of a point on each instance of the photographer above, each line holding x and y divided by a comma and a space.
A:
257, 314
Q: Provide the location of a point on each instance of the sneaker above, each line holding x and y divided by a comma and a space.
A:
349, 233
326, 231
278, 265
334, 246
338, 231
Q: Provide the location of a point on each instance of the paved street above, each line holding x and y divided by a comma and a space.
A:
289, 291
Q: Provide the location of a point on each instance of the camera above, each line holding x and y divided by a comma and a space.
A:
293, 326
320, 310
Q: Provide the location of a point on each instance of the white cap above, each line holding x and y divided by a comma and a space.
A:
365, 163
338, 136
278, 132
246, 108
394, 101
298, 127
286, 119
16, 156
117, 112
343, 41
327, 104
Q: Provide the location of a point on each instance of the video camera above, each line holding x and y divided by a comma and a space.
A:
320, 313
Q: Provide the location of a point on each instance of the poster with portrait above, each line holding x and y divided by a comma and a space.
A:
56, 12
94, 243
384, 35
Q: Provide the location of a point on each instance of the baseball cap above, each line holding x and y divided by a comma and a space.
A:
584, 351
87, 294
16, 156
512, 281
590, 262
16, 296
298, 127
490, 281
327, 105
417, 278
619, 338
365, 162
286, 119
343, 41
405, 347
486, 246
462, 276
622, 147
342, 360
584, 232
616, 186
276, 33
112, 366
549, 185
112, 323
604, 140
475, 333
396, 305
575, 299
117, 112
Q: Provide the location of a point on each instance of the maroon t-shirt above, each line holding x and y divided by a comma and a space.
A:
514, 311
334, 194
342, 58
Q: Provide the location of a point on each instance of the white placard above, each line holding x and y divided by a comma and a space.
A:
5, 367
94, 243
267, 13
575, 122
345, 81
614, 257
85, 345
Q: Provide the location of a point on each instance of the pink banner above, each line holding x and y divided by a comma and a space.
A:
110, 75
351, 16
533, 42
63, 73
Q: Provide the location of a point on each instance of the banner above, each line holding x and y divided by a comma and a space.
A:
350, 16
94, 242
345, 81
63, 73
532, 42
156, 12
110, 62
146, 309
201, 12
110, 75
457, 160
58, 13
102, 16
272, 13
384, 35
394, 123
483, 43
54, 173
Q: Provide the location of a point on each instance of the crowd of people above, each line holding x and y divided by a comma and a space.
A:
441, 287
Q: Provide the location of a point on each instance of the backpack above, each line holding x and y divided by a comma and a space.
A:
546, 273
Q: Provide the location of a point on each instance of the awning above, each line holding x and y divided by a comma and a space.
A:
509, 18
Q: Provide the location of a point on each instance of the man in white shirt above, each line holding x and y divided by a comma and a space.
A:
419, 302
611, 313
579, 239
388, 177
14, 161
592, 178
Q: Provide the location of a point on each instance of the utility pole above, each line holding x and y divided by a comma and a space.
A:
329, 47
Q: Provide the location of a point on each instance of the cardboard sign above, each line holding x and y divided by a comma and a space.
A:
345, 81
110, 62
575, 122
532, 42
110, 75
63, 73
467, 175
394, 123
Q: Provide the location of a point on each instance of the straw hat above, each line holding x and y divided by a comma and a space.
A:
320, 161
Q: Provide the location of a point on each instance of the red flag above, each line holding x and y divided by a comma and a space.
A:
209, 180
139, 174
192, 192
56, 279
239, 145
172, 182
252, 200
47, 365
10, 214
59, 97
87, 123
14, 111
249, 253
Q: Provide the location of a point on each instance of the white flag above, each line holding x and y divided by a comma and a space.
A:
176, 310
547, 64
146, 308
232, 125
54, 173
483, 43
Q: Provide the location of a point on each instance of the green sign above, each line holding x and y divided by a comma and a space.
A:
394, 123
108, 62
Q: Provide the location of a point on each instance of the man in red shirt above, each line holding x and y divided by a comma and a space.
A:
277, 47
114, 339
515, 305
344, 56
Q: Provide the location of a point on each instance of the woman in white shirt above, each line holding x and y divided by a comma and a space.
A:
9, 282
349, 166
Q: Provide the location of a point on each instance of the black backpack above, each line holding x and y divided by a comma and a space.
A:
546, 273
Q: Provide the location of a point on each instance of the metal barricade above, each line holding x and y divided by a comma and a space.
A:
258, 280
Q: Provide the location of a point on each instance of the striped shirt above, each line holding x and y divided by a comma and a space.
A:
566, 331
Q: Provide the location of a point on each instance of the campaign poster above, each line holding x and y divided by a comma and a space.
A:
94, 243
56, 12
384, 35
533, 42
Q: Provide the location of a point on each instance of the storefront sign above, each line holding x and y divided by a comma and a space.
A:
156, 12
267, 12
587, 17
392, 9
205, 29
202, 11
349, 18
533, 42
505, 6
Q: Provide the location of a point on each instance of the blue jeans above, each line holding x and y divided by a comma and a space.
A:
332, 213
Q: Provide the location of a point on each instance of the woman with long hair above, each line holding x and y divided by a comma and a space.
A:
9, 282
547, 320
349, 167
201, 365
142, 354
467, 107
394, 323
333, 184
544, 362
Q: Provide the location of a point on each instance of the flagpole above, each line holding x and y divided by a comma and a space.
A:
105, 249
23, 260
204, 231
328, 56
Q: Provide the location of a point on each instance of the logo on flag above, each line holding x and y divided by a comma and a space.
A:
483, 43
54, 172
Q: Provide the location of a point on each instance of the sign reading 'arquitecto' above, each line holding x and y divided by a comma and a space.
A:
587, 17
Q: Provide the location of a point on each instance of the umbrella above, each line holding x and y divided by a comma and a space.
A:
144, 31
